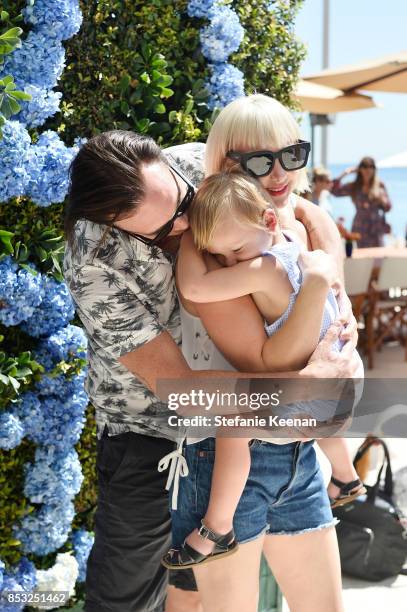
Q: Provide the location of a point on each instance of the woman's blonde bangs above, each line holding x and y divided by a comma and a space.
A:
254, 122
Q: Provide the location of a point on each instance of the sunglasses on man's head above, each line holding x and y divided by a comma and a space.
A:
180, 210
261, 163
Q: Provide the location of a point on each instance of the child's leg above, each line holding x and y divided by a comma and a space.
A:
230, 473
337, 451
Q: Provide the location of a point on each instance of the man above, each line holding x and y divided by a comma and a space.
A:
127, 207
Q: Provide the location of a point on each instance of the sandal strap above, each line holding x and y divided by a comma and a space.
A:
346, 487
221, 540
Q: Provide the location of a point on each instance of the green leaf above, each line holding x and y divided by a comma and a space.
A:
189, 106
145, 77
159, 108
21, 95
166, 93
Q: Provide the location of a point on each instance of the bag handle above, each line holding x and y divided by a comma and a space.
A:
388, 480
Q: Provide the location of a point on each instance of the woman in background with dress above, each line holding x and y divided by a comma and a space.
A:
370, 197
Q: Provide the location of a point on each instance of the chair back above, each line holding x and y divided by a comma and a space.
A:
393, 274
357, 275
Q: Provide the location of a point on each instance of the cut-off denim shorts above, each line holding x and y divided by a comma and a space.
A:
284, 494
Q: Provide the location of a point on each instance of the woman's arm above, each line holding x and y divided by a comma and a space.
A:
237, 328
385, 203
340, 190
321, 230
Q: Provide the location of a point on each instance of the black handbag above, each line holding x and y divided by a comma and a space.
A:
372, 539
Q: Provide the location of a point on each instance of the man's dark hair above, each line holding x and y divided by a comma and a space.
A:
105, 177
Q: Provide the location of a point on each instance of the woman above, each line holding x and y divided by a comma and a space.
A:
370, 197
284, 510
126, 208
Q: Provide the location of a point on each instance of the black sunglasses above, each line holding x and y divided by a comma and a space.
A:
367, 166
261, 163
180, 210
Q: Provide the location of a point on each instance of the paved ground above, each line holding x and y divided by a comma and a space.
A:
389, 595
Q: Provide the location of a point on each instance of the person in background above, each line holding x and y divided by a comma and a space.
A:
349, 237
370, 197
321, 188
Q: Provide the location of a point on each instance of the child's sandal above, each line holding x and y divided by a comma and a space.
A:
186, 556
347, 491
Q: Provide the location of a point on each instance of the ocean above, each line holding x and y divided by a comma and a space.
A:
395, 180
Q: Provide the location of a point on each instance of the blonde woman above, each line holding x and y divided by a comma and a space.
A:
284, 510
371, 200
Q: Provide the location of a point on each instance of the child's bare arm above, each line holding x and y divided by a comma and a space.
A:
197, 284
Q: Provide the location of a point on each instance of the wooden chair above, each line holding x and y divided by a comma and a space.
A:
358, 273
387, 306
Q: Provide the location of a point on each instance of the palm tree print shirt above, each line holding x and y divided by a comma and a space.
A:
124, 292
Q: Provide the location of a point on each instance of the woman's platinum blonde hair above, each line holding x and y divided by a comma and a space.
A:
251, 123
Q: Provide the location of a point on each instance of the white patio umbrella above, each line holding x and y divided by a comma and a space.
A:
395, 161
387, 73
323, 100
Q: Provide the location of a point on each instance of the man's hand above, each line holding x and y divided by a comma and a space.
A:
347, 319
326, 363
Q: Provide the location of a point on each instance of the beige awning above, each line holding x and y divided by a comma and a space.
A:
387, 73
319, 99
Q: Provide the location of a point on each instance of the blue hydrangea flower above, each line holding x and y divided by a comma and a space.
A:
47, 529
54, 477
225, 85
54, 312
11, 584
2, 568
39, 61
11, 430
82, 541
49, 165
14, 155
61, 385
53, 420
59, 18
44, 103
20, 292
65, 344
222, 36
200, 8
25, 574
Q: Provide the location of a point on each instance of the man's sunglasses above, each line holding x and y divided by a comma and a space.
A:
368, 166
180, 210
261, 163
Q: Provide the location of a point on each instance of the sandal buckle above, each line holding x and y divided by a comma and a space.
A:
204, 532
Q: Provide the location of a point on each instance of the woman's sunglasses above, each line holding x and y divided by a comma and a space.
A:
261, 163
180, 210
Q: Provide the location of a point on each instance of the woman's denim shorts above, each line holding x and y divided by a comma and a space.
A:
284, 494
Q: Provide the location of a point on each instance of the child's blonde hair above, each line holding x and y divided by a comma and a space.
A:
254, 122
226, 193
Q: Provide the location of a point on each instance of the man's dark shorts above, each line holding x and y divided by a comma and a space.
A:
132, 528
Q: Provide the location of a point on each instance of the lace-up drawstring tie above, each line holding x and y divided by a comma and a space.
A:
178, 467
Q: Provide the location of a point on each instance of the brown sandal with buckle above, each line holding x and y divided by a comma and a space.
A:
347, 491
186, 556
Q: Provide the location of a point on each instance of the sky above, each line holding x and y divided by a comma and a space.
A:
359, 30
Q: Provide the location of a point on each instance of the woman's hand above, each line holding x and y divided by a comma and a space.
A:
320, 266
348, 171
